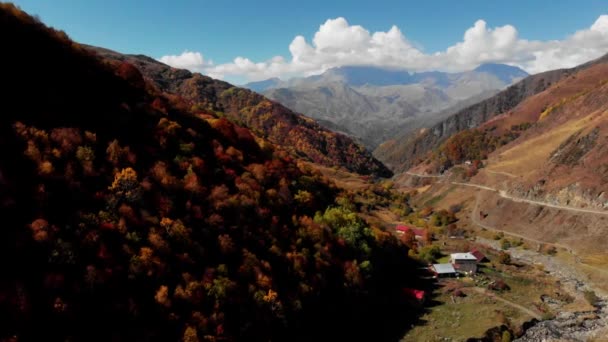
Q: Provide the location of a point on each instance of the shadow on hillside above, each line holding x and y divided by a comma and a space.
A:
383, 316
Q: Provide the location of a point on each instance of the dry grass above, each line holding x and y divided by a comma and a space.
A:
344, 179
466, 317
531, 155
383, 217
470, 316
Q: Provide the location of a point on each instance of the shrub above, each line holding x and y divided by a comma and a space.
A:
591, 297
455, 208
498, 285
499, 236
429, 253
504, 258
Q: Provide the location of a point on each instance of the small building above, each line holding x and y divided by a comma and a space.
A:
468, 162
402, 229
464, 262
478, 255
443, 270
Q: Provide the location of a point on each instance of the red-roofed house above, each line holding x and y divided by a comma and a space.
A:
418, 233
478, 255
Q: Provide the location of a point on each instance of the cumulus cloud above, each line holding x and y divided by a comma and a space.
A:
193, 61
338, 43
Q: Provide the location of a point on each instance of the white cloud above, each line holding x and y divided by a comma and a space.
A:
193, 61
338, 43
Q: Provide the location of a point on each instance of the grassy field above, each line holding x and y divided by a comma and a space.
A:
460, 318
465, 317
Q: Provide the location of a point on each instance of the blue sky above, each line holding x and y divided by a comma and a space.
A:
260, 30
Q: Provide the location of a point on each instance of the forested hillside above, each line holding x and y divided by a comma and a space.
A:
130, 216
298, 134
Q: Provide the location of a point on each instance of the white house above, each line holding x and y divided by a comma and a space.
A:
464, 262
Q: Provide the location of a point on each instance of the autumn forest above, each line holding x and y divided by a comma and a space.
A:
133, 213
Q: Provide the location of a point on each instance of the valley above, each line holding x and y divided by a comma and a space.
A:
362, 190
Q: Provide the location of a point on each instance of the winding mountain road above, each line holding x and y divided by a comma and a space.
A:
503, 194
423, 176
475, 219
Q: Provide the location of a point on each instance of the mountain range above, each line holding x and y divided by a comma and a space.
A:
374, 104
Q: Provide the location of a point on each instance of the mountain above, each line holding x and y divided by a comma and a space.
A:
543, 147
506, 73
128, 215
356, 76
300, 135
372, 104
346, 109
260, 86
362, 75
403, 152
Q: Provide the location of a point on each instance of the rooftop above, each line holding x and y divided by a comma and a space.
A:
444, 268
462, 256
403, 228
478, 255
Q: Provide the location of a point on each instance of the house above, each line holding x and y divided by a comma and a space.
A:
418, 233
478, 255
443, 270
468, 162
464, 262
417, 296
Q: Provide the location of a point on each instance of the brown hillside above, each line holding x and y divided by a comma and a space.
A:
402, 154
565, 149
551, 179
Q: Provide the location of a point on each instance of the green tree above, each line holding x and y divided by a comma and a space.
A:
429, 253
347, 225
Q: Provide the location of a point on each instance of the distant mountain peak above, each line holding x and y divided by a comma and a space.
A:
359, 75
260, 86
506, 73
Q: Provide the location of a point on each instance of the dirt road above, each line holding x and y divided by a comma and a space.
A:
508, 302
503, 194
